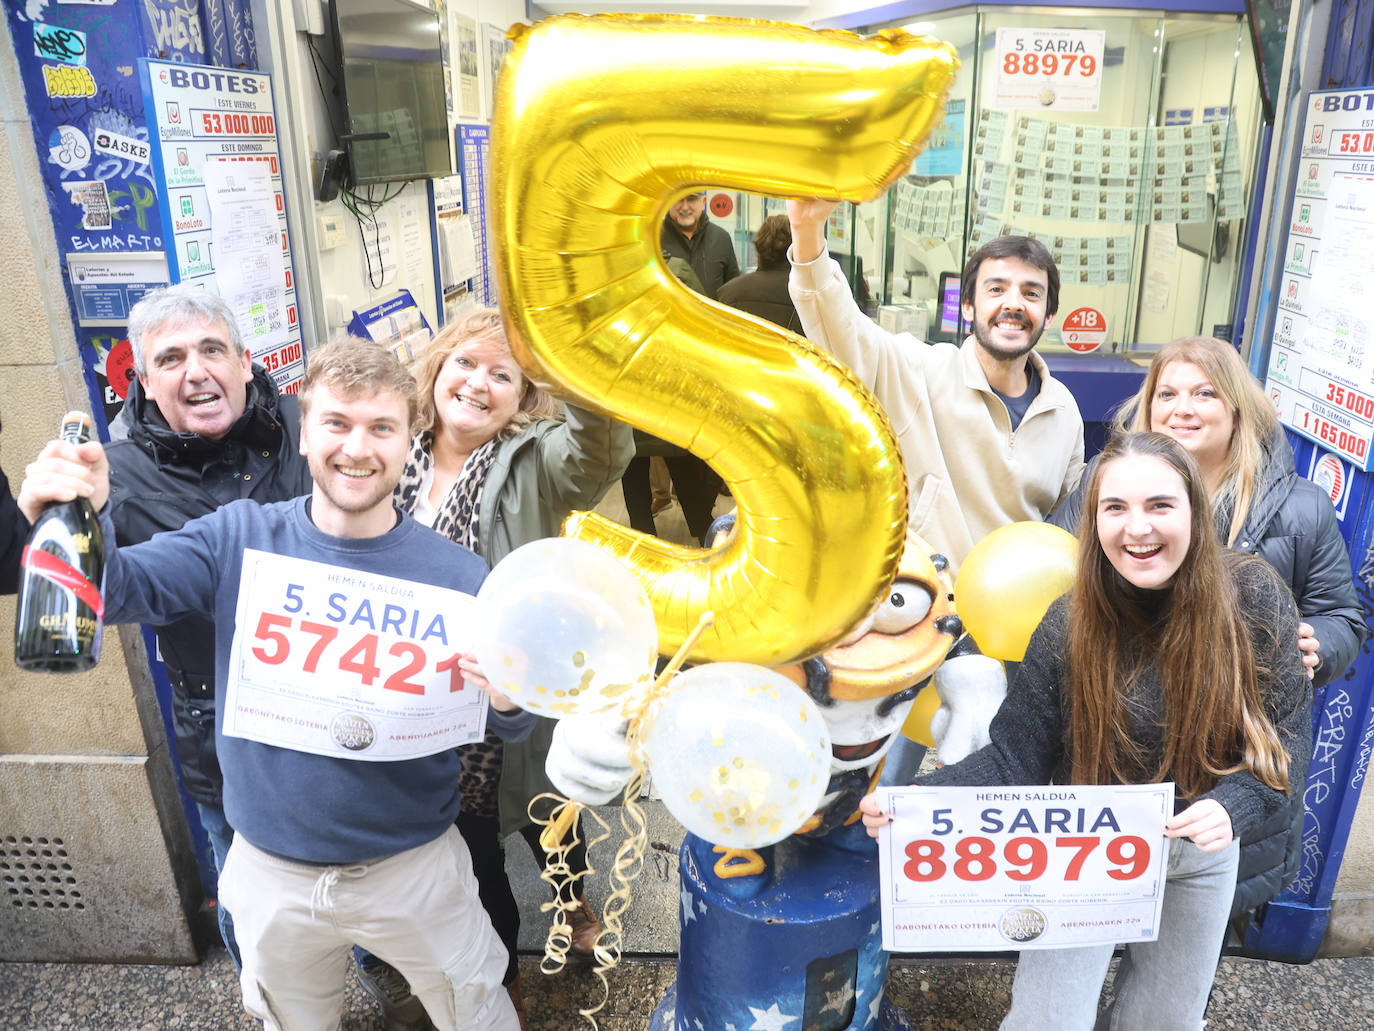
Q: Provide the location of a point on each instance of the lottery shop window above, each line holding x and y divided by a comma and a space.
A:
1125, 144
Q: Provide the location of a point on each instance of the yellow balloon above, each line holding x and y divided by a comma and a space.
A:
599, 123
917, 725
1008, 581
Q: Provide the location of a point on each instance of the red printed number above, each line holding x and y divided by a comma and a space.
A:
265, 632
975, 859
360, 658
1049, 64
455, 675
324, 634
1028, 856
1135, 862
924, 864
1023, 859
397, 681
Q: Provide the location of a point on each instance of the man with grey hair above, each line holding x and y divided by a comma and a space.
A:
688, 233
201, 427
329, 847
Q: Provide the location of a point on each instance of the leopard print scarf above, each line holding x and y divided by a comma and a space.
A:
461, 508
457, 519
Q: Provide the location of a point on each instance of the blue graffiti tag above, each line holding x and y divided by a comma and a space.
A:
54, 43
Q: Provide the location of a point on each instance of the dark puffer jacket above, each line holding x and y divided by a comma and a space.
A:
14, 528
709, 251
160, 479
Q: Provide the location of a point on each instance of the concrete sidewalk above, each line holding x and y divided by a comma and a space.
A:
953, 995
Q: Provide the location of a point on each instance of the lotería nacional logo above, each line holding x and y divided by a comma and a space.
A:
351, 731
1022, 924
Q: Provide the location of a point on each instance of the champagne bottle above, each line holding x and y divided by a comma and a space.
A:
57, 628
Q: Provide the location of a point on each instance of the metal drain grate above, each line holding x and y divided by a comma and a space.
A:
37, 874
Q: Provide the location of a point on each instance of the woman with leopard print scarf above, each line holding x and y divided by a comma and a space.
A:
495, 465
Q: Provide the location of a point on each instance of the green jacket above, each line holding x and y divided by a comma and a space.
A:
539, 477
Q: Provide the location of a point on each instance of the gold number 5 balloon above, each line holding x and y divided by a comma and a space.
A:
599, 124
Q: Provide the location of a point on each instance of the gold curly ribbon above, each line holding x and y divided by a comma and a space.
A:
558, 839
560, 835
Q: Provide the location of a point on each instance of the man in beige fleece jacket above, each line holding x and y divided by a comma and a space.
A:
988, 436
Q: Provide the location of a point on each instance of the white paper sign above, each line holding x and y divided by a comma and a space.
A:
1324, 386
992, 869
458, 249
1049, 69
213, 141
354, 665
248, 259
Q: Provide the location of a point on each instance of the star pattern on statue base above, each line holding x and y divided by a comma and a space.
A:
770, 1019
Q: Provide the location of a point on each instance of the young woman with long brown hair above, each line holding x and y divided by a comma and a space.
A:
1199, 392
1172, 659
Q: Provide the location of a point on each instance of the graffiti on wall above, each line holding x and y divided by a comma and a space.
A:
78, 63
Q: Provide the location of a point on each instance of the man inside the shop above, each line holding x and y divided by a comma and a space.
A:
689, 234
988, 436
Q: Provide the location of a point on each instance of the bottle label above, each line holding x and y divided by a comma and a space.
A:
55, 570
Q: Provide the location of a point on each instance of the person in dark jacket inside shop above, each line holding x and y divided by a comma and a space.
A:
689, 234
763, 292
694, 482
201, 427
1199, 391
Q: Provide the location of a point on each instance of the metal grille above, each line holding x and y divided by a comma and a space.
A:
37, 874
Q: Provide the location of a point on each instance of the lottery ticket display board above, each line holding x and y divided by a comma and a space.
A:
1321, 365
992, 869
217, 163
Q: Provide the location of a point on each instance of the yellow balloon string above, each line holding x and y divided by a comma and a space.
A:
629, 858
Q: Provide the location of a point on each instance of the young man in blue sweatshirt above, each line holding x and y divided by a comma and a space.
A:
338, 628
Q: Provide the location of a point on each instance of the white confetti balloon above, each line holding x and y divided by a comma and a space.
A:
739, 754
566, 627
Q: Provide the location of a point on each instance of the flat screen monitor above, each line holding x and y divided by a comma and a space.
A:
948, 326
393, 87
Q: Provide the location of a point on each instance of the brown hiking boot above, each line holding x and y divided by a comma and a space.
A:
586, 928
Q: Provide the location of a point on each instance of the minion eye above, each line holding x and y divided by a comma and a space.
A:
907, 604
